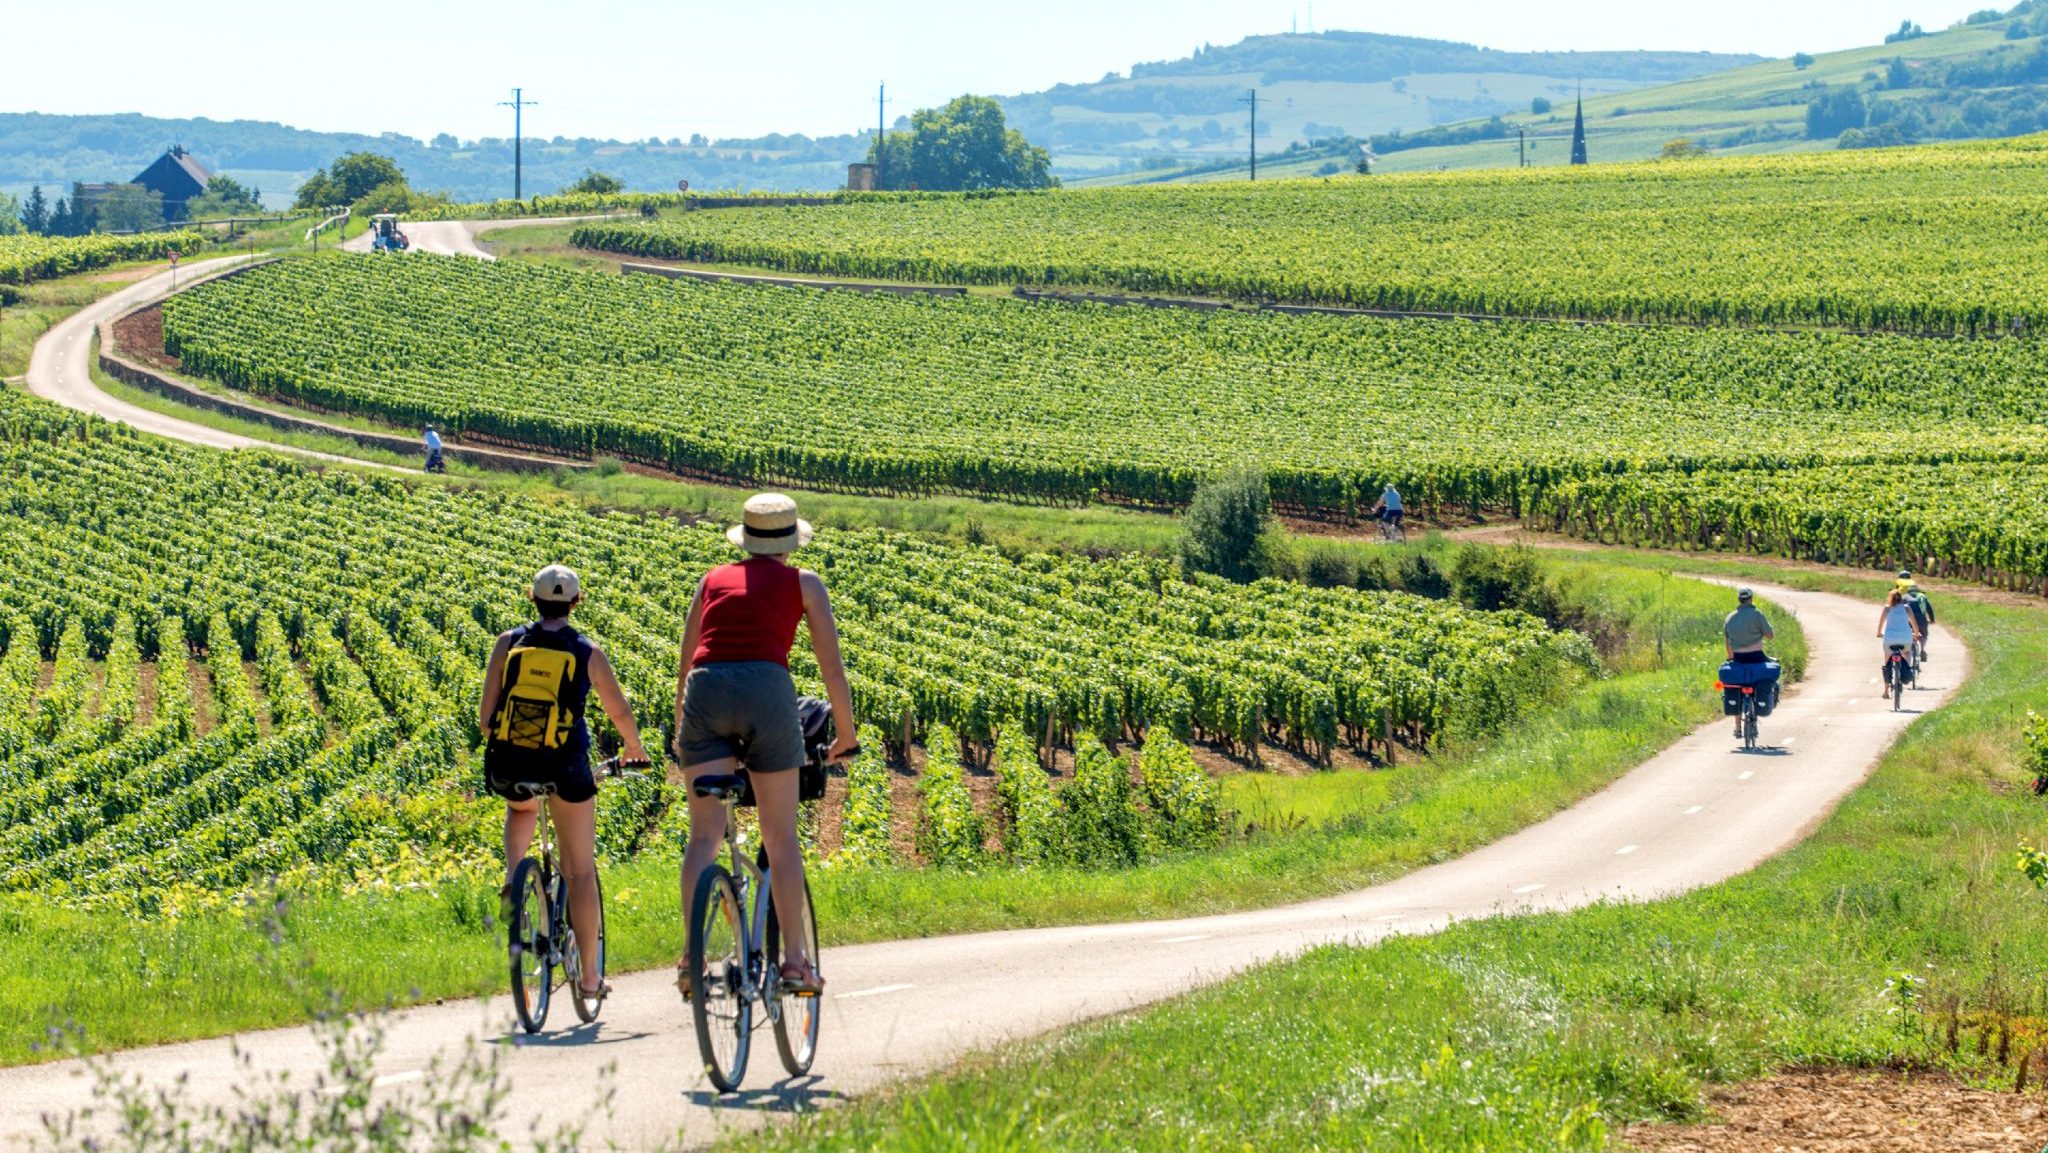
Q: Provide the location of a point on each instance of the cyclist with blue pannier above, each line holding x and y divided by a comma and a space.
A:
1743, 633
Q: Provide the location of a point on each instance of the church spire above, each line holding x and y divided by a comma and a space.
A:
1579, 132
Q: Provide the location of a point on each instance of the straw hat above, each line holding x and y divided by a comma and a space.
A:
769, 526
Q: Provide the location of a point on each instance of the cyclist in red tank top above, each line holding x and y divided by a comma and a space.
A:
736, 705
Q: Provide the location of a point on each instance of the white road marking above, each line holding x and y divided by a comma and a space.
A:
1745, 775
1530, 888
1186, 939
1694, 809
875, 992
1625, 850
1789, 740
390, 1079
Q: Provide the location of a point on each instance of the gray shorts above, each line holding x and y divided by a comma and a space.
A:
742, 709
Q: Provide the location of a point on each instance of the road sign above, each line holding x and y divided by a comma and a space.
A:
682, 186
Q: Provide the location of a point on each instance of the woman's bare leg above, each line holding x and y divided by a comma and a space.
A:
576, 836
776, 793
519, 822
707, 827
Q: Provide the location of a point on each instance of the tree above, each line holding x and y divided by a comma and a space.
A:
1907, 31
10, 215
61, 221
445, 143
1540, 106
1802, 61
1835, 111
1225, 528
392, 196
1898, 74
224, 197
601, 183
348, 180
127, 208
1683, 149
35, 211
964, 146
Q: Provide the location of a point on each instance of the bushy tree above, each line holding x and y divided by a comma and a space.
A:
10, 215
1540, 106
1834, 112
1898, 74
128, 208
224, 197
348, 180
600, 183
1225, 528
1802, 61
962, 147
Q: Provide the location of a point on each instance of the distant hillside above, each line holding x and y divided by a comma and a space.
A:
55, 151
1314, 86
1985, 77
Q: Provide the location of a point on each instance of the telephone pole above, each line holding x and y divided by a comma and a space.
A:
1522, 147
517, 104
1253, 100
881, 137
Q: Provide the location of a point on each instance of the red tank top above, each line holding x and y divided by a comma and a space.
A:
751, 610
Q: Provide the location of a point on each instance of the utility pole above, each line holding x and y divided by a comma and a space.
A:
517, 104
1253, 100
881, 137
1522, 148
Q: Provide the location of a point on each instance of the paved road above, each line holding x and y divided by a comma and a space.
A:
60, 368
1697, 813
459, 237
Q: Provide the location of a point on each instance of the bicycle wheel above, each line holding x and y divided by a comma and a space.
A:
572, 963
1898, 686
797, 1019
717, 957
532, 972
1749, 725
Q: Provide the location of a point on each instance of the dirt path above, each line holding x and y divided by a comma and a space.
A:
1697, 813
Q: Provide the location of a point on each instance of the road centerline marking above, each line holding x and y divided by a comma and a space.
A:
1529, 888
1625, 850
1745, 774
874, 992
1695, 809
1186, 939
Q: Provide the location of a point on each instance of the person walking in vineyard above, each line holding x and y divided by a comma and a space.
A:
736, 706
536, 686
1389, 510
432, 440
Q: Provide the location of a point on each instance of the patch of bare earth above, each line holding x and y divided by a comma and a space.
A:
139, 336
1854, 1111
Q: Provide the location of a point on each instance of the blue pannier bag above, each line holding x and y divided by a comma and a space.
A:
1763, 678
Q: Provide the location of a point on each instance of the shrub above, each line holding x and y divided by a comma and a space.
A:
1185, 801
1104, 827
1420, 575
864, 833
2036, 759
949, 831
1226, 523
1033, 831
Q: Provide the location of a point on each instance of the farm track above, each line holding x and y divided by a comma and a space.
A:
1697, 813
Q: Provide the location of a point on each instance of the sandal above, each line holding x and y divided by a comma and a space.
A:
603, 990
802, 980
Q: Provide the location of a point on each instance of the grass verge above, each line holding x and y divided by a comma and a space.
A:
134, 982
1902, 913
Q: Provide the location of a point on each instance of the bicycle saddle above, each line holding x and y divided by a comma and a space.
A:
722, 786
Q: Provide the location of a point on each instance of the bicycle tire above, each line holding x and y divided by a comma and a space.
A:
720, 1006
1749, 726
1898, 687
527, 946
797, 1017
587, 1008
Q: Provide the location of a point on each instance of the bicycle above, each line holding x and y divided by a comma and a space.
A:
539, 937
735, 955
1898, 669
1392, 531
1746, 716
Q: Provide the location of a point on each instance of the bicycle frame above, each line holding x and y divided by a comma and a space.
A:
756, 895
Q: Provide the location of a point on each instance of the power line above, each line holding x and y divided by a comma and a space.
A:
517, 104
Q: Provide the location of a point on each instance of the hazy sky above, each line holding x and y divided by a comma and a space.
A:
636, 68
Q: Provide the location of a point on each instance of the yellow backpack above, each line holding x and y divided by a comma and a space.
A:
533, 713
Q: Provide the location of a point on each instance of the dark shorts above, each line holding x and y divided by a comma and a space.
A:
573, 782
1392, 514
1750, 659
745, 710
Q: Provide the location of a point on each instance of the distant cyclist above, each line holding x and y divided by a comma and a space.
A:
1389, 510
532, 714
736, 705
1923, 608
1744, 632
432, 440
1898, 629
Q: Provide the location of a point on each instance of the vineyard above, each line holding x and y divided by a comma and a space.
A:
26, 258
1941, 238
220, 668
1073, 402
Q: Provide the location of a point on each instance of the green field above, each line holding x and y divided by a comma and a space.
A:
1552, 1032
1766, 240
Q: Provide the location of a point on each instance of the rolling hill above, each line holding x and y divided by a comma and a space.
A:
1986, 77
